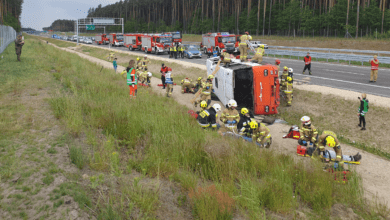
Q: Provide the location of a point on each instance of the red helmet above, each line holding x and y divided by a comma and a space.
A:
224, 50
247, 33
169, 69
277, 61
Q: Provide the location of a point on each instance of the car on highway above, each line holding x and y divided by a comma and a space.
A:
88, 40
81, 39
74, 38
256, 44
192, 51
64, 38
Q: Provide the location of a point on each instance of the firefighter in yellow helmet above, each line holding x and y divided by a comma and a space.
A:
111, 56
226, 58
230, 117
198, 84
260, 134
186, 84
145, 62
329, 138
289, 90
243, 125
207, 88
308, 133
139, 64
209, 117
244, 46
259, 54
283, 78
203, 106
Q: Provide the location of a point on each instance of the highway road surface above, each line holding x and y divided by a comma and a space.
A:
354, 78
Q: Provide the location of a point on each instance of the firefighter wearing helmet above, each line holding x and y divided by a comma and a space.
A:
283, 78
208, 117
148, 77
244, 46
260, 134
329, 138
198, 84
230, 116
243, 125
225, 56
308, 133
142, 77
259, 54
186, 85
139, 64
277, 63
206, 88
145, 62
289, 90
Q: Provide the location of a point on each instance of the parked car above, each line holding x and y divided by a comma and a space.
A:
256, 44
74, 38
192, 51
64, 38
81, 39
88, 40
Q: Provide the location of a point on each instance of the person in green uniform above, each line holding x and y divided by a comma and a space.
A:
363, 108
18, 46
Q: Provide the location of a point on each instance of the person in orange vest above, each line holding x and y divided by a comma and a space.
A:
307, 60
374, 69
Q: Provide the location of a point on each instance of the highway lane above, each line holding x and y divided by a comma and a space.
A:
354, 78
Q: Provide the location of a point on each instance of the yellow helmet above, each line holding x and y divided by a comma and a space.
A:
253, 124
285, 68
244, 111
289, 78
137, 58
330, 141
200, 78
262, 46
203, 104
210, 77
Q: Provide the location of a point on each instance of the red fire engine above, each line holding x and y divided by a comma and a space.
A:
116, 39
101, 39
133, 41
219, 41
158, 44
176, 36
253, 86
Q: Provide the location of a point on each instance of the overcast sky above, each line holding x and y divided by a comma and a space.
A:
41, 13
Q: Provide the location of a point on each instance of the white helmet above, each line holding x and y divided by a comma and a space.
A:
149, 74
290, 70
146, 56
232, 103
217, 107
306, 120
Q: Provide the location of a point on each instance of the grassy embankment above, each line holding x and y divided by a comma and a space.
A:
320, 42
154, 136
341, 117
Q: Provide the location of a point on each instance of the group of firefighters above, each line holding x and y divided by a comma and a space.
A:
175, 49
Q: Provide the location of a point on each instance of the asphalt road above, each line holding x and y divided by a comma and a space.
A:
354, 78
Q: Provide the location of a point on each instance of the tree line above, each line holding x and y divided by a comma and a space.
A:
61, 25
10, 11
266, 17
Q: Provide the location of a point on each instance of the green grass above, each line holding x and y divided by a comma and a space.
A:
154, 136
60, 43
77, 156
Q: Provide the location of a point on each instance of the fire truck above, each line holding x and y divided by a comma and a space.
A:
101, 39
253, 86
219, 41
133, 41
176, 36
157, 43
116, 39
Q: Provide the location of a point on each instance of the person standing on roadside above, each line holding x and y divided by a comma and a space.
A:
132, 79
18, 46
163, 71
307, 60
115, 64
374, 69
363, 108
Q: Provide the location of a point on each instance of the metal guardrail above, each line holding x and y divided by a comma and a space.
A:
307, 49
328, 56
7, 36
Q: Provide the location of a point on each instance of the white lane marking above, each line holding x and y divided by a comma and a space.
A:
343, 72
383, 87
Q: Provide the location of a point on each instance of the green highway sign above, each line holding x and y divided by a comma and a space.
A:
90, 27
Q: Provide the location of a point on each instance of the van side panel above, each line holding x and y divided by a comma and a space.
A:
265, 90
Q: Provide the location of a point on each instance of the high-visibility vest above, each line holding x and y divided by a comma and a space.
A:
374, 64
243, 38
174, 49
171, 49
307, 60
226, 56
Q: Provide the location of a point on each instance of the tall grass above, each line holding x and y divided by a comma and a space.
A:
154, 135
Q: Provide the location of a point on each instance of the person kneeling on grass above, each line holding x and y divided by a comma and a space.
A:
260, 134
209, 117
132, 79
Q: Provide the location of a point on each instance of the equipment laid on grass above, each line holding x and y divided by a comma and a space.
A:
293, 133
254, 86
